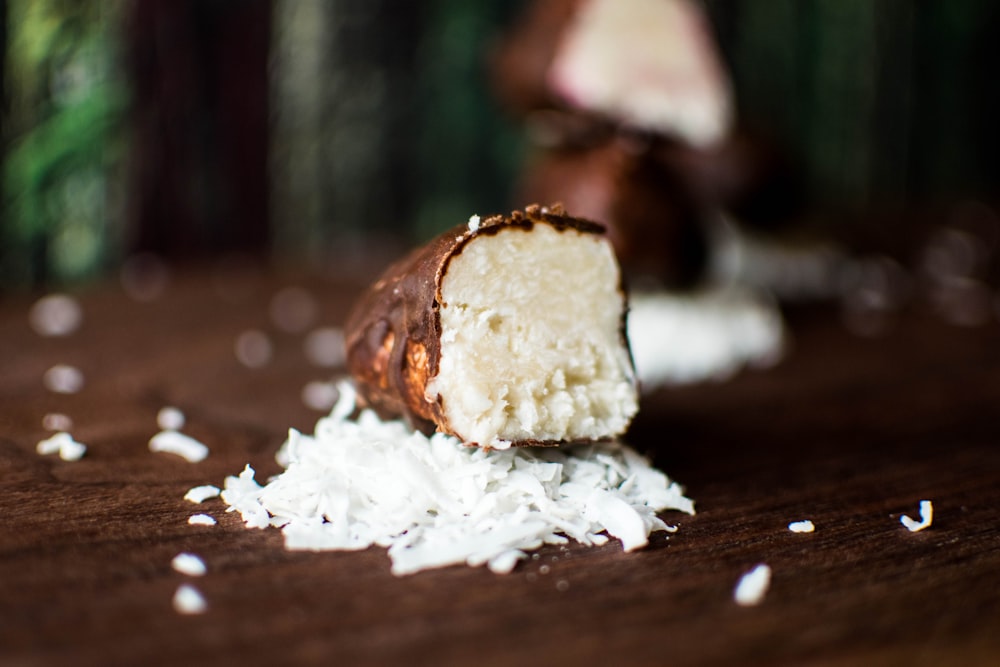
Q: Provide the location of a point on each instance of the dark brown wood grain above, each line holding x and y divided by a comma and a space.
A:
849, 432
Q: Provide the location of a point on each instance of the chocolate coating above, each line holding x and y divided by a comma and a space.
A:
393, 333
653, 221
746, 175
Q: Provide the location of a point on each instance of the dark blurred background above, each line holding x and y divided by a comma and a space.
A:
321, 129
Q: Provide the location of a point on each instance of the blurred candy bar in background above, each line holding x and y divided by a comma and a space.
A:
311, 131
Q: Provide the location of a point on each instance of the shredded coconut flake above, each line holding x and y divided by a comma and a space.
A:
926, 517
200, 494
435, 502
56, 315
64, 445
201, 519
805, 526
63, 379
505, 562
474, 223
170, 419
188, 600
189, 564
753, 586
173, 442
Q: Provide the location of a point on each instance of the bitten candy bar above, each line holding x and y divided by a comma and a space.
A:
645, 64
652, 220
503, 331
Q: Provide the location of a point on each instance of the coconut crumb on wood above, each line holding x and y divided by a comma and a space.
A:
189, 564
56, 315
64, 445
200, 494
753, 586
170, 418
189, 600
201, 520
926, 517
175, 442
804, 526
63, 379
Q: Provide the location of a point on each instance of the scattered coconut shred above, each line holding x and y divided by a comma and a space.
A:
804, 526
64, 445
175, 442
200, 494
434, 502
201, 520
189, 600
926, 517
752, 586
189, 564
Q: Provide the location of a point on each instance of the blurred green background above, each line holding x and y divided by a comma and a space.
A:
314, 129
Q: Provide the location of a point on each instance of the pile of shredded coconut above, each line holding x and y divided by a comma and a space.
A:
434, 501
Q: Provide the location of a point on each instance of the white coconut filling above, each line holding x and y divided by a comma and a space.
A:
531, 343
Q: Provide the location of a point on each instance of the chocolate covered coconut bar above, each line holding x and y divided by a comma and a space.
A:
503, 331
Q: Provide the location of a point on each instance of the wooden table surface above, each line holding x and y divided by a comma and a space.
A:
849, 432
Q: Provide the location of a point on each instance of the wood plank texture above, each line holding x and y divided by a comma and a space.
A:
847, 431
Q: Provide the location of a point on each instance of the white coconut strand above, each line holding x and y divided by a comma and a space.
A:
201, 520
64, 445
189, 600
753, 586
926, 517
175, 442
435, 502
189, 564
200, 494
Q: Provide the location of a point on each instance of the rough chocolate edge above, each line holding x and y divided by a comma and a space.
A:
393, 333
